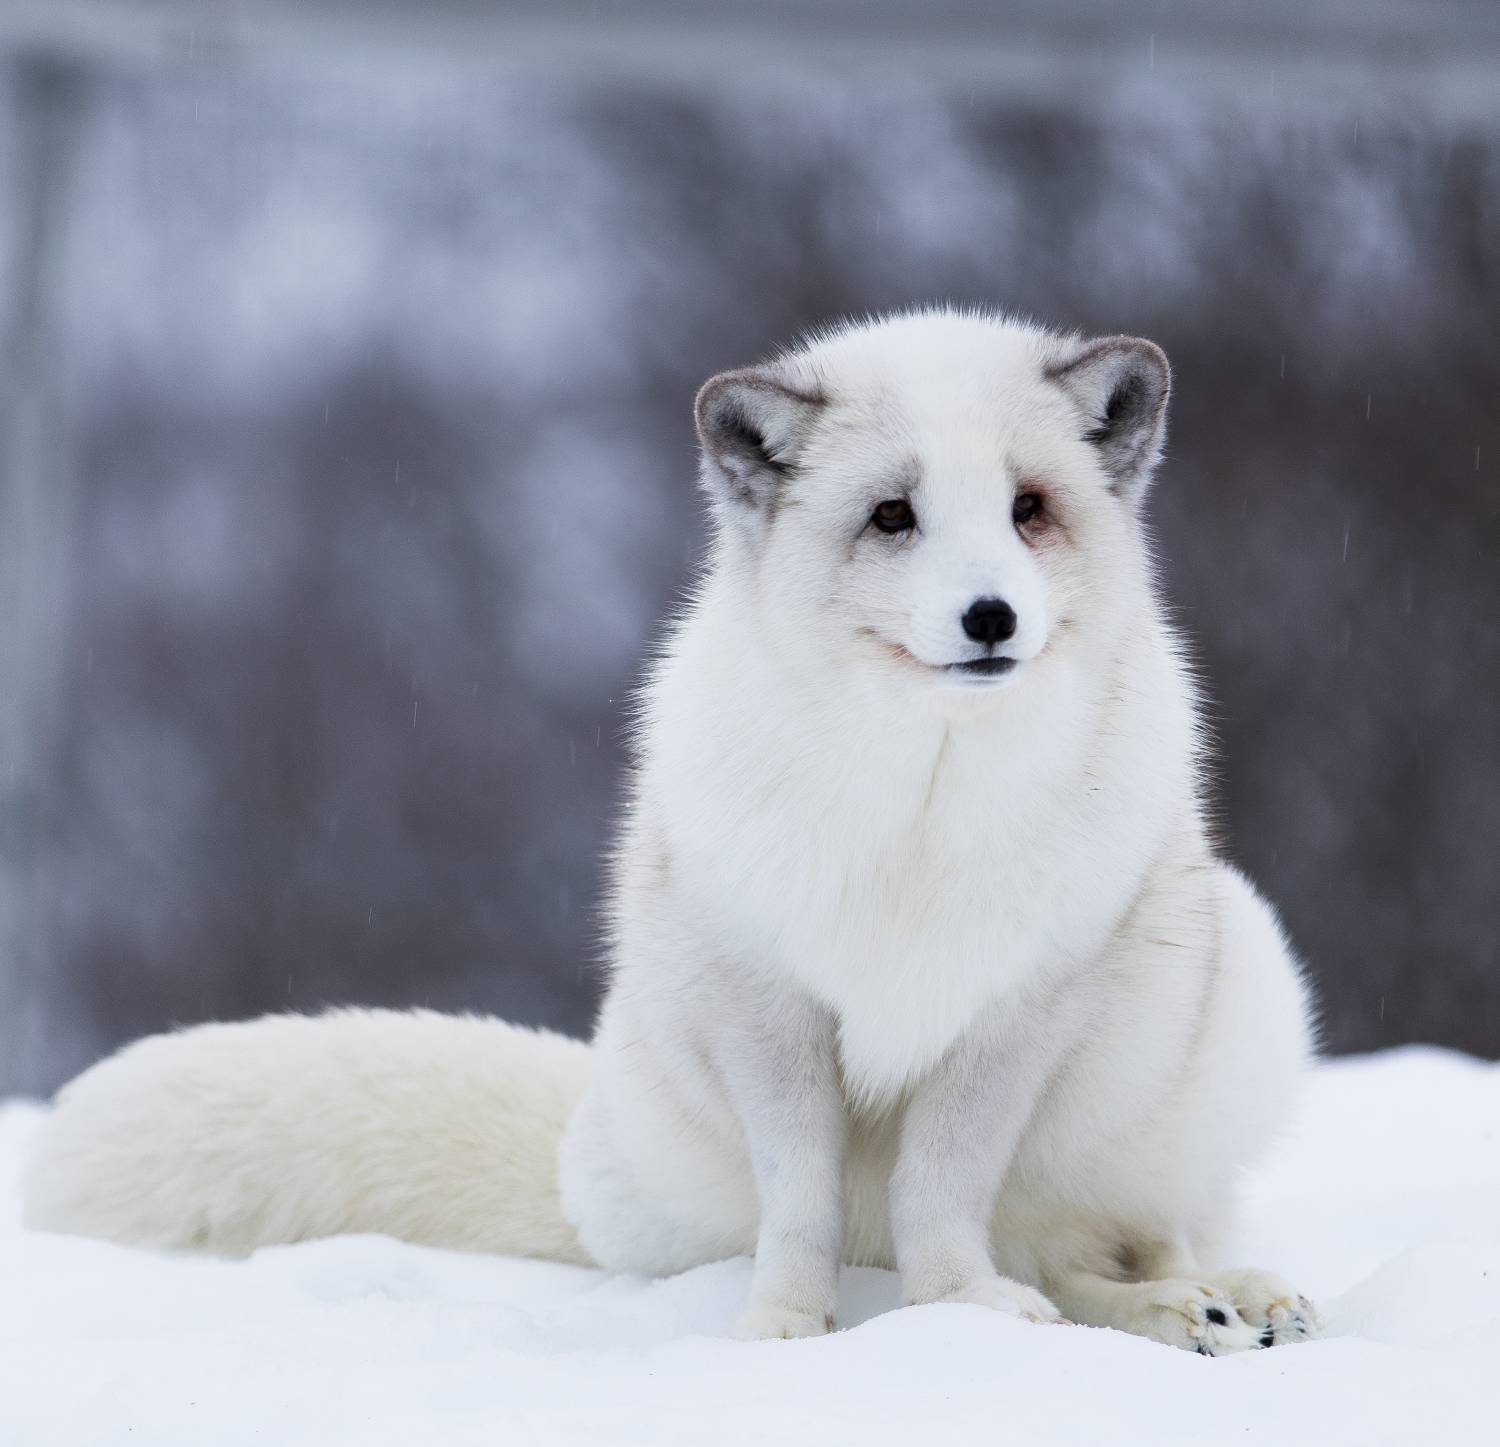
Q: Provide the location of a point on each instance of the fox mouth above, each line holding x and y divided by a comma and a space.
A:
982, 667
978, 669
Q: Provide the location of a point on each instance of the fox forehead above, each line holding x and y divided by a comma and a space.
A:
951, 392
936, 354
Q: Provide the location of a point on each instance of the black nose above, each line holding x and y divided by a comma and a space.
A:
990, 620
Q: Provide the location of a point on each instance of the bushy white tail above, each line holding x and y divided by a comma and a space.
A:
437, 1129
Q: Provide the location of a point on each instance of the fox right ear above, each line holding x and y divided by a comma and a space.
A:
752, 425
1121, 385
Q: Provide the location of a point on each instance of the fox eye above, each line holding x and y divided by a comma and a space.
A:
1027, 508
894, 515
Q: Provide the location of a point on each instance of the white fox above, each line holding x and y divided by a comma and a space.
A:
921, 954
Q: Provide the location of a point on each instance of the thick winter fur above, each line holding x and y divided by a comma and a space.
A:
227, 1137
921, 952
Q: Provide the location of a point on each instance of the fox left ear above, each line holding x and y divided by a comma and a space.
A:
752, 424
1121, 386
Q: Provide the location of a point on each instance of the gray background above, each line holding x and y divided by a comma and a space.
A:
346, 361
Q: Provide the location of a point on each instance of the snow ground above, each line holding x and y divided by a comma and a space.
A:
1384, 1204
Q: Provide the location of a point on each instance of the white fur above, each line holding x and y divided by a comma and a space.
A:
226, 1137
909, 968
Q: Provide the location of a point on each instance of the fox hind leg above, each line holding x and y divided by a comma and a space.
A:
1169, 1300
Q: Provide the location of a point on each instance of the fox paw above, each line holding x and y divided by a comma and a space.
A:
769, 1322
1000, 1293
1193, 1315
1274, 1308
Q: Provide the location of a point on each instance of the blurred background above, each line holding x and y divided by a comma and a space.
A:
346, 363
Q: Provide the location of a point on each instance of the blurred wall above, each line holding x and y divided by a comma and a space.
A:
348, 459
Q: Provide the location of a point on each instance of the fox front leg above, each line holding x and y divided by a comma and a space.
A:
959, 1132
778, 1057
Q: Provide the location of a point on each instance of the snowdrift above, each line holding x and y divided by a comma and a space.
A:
1383, 1203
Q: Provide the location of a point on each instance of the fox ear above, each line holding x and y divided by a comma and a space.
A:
752, 425
1121, 386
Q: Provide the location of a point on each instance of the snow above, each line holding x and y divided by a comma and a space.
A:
1383, 1202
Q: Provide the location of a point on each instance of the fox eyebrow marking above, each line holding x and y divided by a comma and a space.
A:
904, 481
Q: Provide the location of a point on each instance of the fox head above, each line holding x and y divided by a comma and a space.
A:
939, 498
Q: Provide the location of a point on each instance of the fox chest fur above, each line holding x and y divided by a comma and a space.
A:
909, 877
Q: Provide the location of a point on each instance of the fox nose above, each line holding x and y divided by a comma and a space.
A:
989, 620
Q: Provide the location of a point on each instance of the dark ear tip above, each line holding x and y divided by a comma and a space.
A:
718, 402
720, 383
710, 399
1152, 356
1145, 353
729, 399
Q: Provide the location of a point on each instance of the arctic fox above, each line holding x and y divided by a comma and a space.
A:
921, 953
